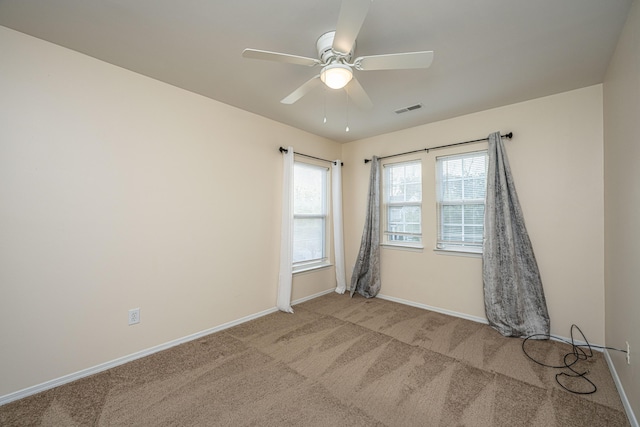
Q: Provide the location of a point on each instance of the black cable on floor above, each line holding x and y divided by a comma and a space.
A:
570, 359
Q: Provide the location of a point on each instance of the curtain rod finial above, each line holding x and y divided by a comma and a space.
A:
366, 161
509, 135
283, 150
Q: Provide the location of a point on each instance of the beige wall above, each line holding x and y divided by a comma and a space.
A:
622, 204
118, 191
557, 162
114, 194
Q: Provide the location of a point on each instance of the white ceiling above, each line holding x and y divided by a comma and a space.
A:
488, 53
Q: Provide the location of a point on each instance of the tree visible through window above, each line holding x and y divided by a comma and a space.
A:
461, 190
403, 203
309, 215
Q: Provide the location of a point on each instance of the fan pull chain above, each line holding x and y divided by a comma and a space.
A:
324, 106
346, 91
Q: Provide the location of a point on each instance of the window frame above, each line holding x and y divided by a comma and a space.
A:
385, 232
324, 260
462, 247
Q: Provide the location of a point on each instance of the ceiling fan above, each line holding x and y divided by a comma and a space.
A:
335, 50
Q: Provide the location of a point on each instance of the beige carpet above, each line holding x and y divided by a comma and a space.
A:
336, 362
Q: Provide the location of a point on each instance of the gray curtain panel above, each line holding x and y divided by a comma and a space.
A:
513, 296
366, 272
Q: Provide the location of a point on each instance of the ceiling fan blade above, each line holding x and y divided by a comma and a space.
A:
307, 87
279, 57
394, 61
358, 95
352, 14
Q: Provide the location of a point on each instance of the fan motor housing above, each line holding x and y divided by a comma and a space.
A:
325, 52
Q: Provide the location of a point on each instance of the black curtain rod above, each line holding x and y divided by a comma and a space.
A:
284, 150
508, 136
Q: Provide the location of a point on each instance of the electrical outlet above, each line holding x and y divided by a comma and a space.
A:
134, 316
628, 354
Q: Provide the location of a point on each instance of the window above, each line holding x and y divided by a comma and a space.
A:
309, 216
461, 182
402, 204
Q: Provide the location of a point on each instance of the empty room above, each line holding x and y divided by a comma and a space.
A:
319, 212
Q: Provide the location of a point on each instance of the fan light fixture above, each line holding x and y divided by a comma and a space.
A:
336, 75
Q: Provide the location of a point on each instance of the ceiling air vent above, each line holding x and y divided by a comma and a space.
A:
409, 108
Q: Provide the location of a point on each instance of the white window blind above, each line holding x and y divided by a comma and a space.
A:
461, 189
309, 215
402, 204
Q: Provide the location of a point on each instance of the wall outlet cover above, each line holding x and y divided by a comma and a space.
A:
134, 316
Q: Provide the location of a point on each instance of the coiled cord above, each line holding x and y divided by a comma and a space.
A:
570, 359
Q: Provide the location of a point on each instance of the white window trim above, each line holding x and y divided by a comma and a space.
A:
457, 252
384, 233
315, 264
311, 267
455, 249
402, 247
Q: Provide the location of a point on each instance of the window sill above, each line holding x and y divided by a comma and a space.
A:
311, 268
459, 252
402, 247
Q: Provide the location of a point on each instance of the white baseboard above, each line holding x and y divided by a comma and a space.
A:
472, 318
20, 394
623, 396
436, 309
310, 297
625, 401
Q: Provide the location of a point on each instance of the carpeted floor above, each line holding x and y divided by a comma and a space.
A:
336, 362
